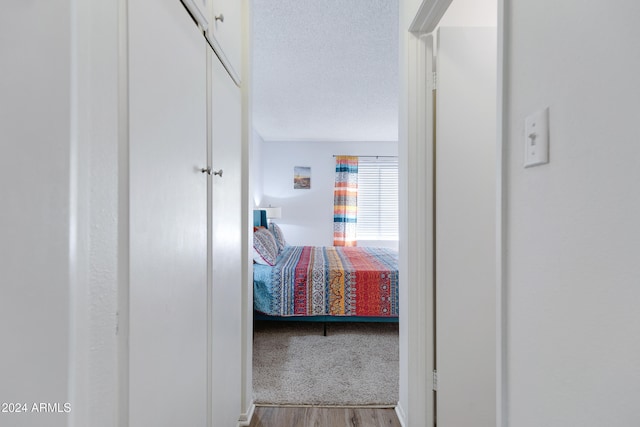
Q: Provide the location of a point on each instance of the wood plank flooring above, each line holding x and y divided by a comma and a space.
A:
274, 416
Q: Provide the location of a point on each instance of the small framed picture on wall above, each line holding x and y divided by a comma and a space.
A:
302, 177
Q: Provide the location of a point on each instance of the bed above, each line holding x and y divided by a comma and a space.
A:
322, 284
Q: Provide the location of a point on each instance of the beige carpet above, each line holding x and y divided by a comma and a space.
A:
355, 364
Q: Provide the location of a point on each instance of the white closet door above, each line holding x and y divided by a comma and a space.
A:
225, 33
465, 227
226, 250
168, 279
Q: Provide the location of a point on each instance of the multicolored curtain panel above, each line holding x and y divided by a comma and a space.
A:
345, 201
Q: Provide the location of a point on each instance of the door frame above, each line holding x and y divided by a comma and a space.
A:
419, 347
416, 208
416, 404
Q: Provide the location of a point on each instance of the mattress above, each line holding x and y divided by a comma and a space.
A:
334, 281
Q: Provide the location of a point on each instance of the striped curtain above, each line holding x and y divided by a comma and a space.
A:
345, 201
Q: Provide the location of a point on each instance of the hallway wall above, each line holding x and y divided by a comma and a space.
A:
572, 235
58, 249
36, 198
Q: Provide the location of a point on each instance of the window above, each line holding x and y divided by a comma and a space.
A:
377, 198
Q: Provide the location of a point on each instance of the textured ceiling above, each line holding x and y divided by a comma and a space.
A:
325, 70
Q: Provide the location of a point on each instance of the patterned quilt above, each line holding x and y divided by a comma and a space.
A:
337, 281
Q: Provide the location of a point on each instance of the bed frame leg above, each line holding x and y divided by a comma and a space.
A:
325, 329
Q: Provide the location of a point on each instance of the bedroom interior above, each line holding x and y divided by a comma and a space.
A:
325, 85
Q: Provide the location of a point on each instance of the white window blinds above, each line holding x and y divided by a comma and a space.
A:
377, 198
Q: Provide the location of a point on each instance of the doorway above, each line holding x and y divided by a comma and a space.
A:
417, 357
307, 214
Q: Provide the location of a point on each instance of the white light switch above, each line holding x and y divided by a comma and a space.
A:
536, 139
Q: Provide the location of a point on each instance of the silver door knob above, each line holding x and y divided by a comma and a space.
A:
208, 171
220, 17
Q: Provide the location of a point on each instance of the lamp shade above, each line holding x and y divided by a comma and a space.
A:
273, 212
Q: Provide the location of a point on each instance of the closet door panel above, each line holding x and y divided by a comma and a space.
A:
225, 33
226, 250
168, 270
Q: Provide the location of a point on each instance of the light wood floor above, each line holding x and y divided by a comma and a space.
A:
273, 416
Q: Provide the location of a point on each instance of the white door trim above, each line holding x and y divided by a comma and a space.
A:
426, 20
123, 214
246, 401
501, 204
429, 15
416, 290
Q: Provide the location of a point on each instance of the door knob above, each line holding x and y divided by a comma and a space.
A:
220, 17
208, 171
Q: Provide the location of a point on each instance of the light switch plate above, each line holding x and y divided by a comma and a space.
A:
536, 138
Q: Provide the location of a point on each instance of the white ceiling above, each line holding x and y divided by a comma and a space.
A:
325, 70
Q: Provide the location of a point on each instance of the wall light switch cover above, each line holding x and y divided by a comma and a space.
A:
536, 138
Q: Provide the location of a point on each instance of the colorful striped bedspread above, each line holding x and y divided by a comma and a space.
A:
336, 281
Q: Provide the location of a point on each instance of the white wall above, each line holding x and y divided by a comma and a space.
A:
95, 181
57, 251
35, 194
307, 215
572, 236
257, 168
